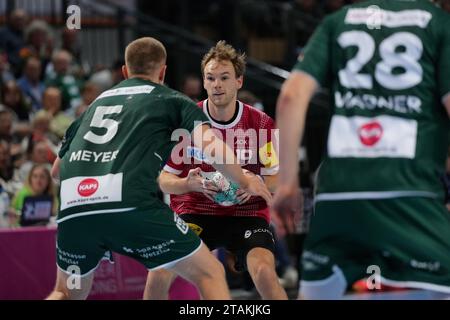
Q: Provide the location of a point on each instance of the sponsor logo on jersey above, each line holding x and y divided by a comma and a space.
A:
247, 234
370, 133
78, 191
87, 187
196, 228
364, 137
268, 155
196, 153
391, 19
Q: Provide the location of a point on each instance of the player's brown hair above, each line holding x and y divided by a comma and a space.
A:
225, 52
144, 55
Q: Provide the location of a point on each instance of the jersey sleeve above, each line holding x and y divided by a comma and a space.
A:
443, 68
315, 59
68, 136
268, 152
172, 166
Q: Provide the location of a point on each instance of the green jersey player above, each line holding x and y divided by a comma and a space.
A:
108, 165
379, 204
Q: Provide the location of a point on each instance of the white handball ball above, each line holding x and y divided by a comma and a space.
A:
227, 195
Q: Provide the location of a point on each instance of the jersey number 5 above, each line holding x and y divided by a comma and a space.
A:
99, 121
399, 52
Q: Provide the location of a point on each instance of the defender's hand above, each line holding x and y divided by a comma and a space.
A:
287, 206
256, 187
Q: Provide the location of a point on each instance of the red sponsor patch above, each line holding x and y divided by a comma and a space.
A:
370, 133
87, 187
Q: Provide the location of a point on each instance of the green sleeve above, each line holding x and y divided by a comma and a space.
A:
315, 59
191, 115
69, 135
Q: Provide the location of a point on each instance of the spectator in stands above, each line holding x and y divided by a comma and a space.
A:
106, 78
6, 123
41, 132
61, 78
12, 38
13, 98
5, 72
38, 183
88, 94
39, 42
192, 87
12, 132
37, 154
51, 103
4, 208
30, 83
6, 168
70, 43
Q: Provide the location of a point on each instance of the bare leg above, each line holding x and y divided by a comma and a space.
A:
64, 283
158, 284
261, 266
206, 272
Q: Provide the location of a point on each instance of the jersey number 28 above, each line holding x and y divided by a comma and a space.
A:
400, 50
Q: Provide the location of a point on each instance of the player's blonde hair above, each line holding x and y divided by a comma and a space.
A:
225, 52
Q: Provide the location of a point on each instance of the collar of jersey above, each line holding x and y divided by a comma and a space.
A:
219, 125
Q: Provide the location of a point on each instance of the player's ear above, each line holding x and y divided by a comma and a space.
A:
162, 74
124, 72
240, 81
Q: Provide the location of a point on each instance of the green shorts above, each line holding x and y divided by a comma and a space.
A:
155, 237
406, 239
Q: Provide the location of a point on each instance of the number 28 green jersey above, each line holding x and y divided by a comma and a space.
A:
387, 64
112, 155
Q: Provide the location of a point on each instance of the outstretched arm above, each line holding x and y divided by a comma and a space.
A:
292, 105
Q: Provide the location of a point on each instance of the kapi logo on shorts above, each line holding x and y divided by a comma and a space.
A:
370, 133
87, 187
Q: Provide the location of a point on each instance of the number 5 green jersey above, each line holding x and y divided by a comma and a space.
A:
387, 64
112, 155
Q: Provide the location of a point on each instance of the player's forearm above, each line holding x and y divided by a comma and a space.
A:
292, 105
271, 182
220, 154
172, 184
55, 168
